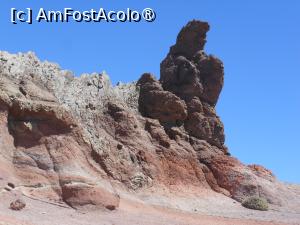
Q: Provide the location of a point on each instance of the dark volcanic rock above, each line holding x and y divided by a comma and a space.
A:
206, 127
195, 78
190, 39
156, 103
187, 71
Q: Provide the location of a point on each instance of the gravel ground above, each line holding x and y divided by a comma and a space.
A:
207, 208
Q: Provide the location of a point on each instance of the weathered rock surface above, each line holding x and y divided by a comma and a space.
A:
17, 205
79, 139
156, 103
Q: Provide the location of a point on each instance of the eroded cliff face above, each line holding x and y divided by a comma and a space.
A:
75, 139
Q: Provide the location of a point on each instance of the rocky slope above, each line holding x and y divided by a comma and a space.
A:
83, 142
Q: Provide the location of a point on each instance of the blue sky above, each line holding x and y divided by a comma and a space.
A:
258, 42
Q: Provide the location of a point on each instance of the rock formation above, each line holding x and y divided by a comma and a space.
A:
79, 139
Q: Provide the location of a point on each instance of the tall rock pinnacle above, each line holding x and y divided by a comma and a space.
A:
195, 78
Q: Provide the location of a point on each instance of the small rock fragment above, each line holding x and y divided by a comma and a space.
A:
11, 185
17, 205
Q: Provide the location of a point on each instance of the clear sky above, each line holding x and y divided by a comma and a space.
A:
258, 41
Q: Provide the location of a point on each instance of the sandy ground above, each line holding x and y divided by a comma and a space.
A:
37, 213
208, 208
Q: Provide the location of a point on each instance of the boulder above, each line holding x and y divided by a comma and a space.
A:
18, 205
